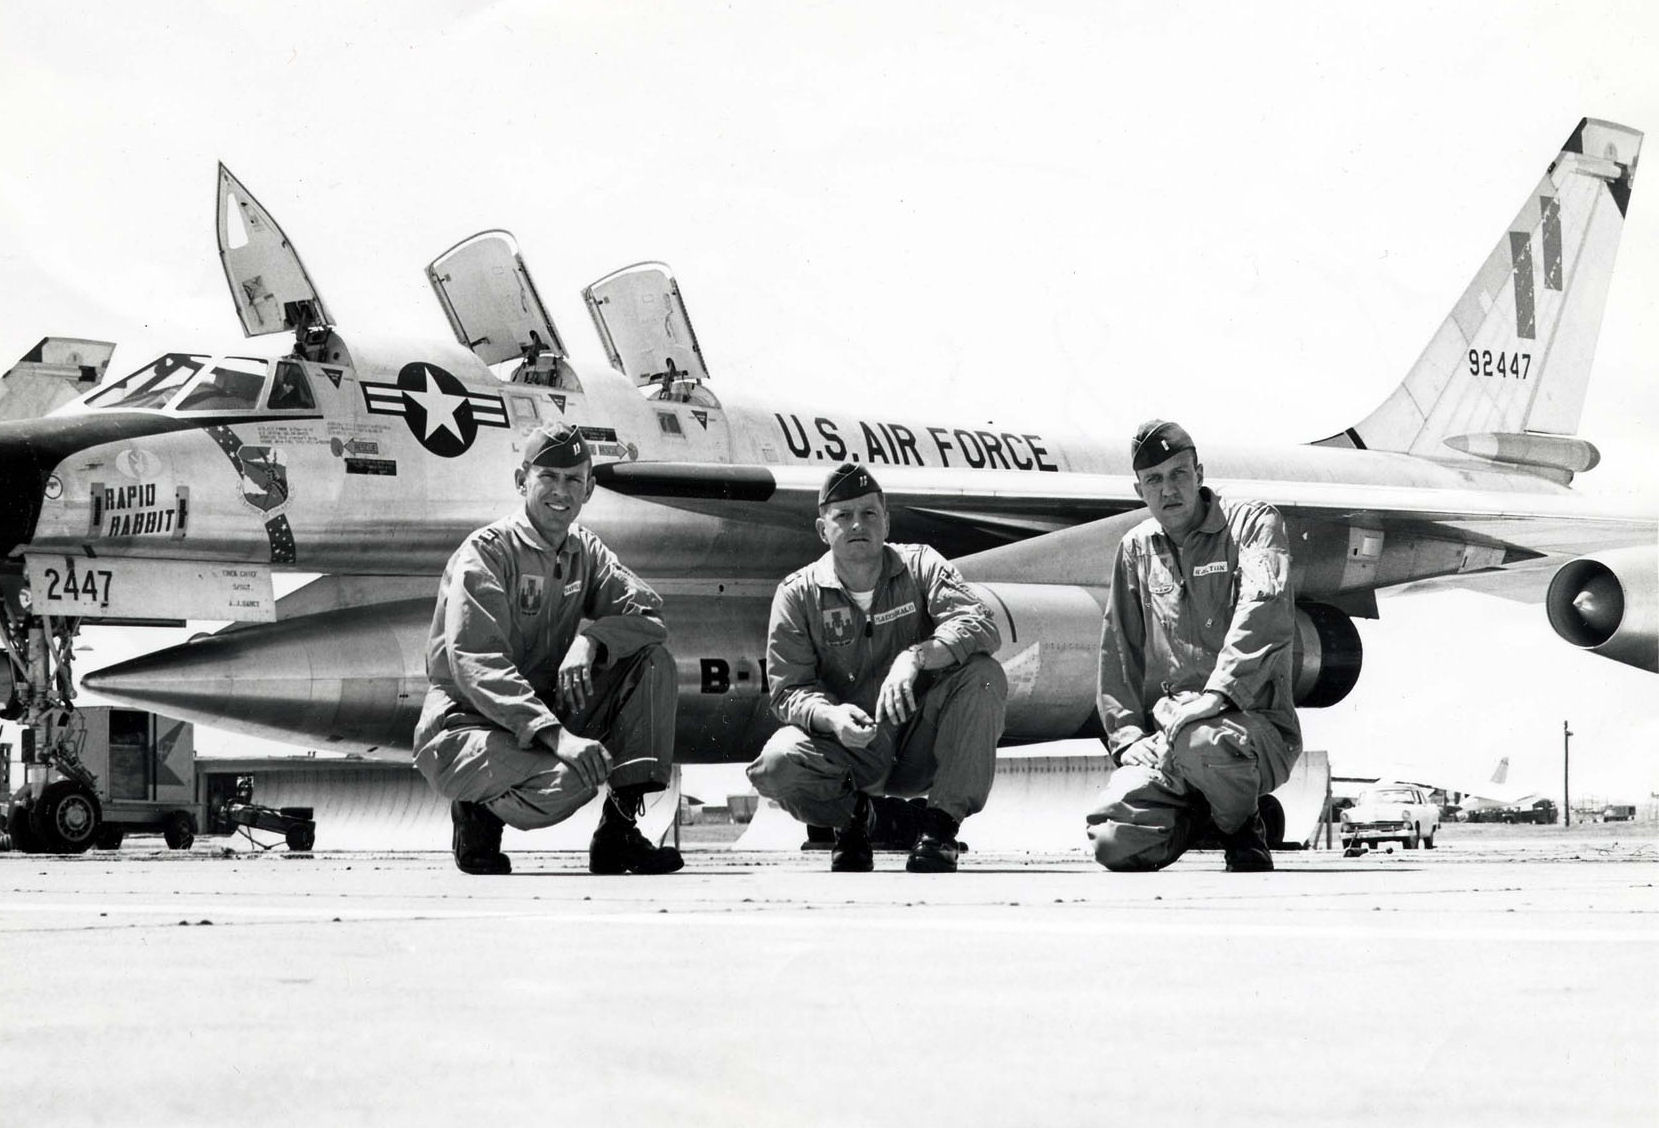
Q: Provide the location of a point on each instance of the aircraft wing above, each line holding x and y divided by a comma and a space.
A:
1537, 522
955, 512
1525, 582
1054, 528
1026, 504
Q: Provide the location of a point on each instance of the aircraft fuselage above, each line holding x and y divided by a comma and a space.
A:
407, 449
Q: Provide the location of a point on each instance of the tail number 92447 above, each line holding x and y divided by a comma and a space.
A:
1508, 365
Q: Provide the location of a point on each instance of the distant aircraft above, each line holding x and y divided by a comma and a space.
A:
178, 490
1495, 792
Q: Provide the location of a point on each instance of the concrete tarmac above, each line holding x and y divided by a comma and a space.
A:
1488, 982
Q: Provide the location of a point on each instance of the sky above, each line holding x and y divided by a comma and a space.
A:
1251, 217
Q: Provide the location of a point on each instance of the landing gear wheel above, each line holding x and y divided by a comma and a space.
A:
301, 838
108, 837
65, 817
178, 833
21, 832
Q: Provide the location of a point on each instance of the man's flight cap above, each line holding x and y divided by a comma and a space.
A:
557, 446
845, 482
1156, 440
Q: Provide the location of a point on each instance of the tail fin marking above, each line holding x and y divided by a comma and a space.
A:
1515, 353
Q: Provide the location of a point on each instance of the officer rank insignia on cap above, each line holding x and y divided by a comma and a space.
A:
1156, 440
557, 446
847, 480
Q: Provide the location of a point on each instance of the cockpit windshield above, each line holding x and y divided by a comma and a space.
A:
184, 382
223, 389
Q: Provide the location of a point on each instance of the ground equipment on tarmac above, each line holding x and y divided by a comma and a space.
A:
93, 775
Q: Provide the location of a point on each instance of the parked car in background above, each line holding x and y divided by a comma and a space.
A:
1391, 812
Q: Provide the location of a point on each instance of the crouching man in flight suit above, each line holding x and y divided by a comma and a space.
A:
525, 719
881, 670
1195, 667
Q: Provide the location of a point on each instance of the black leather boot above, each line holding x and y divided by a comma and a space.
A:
1246, 848
852, 852
937, 849
618, 846
476, 840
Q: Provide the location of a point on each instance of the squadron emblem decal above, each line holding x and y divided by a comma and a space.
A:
438, 408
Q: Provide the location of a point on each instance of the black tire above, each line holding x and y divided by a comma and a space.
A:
21, 832
301, 838
1428, 840
66, 817
109, 837
179, 833
1412, 840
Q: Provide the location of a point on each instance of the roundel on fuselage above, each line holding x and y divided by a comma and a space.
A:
440, 411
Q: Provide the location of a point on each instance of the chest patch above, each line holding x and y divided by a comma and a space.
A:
529, 594
884, 617
1211, 568
573, 587
838, 625
1160, 579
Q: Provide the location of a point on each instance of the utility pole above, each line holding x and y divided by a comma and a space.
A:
1566, 795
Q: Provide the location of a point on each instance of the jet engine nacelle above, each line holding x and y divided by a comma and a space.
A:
1608, 604
1051, 650
1325, 656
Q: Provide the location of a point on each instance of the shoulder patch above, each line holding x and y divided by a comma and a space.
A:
1263, 573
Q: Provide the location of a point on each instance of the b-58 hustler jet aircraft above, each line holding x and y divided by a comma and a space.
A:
178, 490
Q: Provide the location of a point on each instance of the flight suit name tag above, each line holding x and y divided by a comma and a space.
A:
882, 618
573, 587
1210, 569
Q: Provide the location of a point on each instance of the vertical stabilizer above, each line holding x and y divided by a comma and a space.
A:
1509, 367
